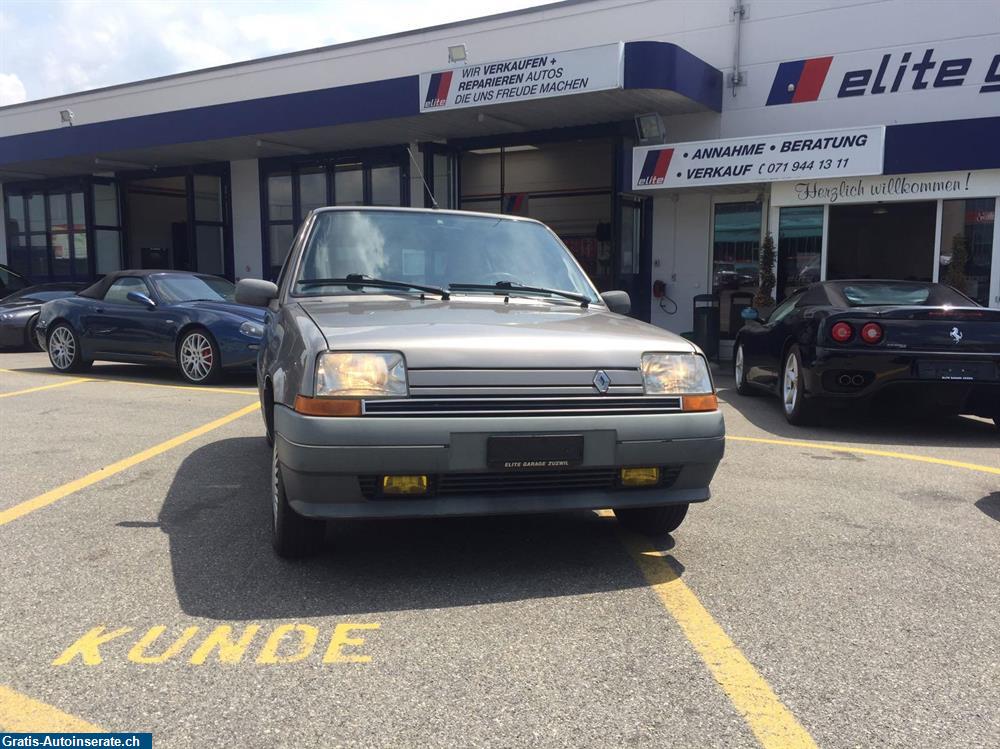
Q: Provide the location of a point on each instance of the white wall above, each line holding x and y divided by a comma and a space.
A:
245, 184
681, 254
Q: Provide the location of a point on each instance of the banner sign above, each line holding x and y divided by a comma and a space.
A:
933, 186
574, 71
765, 158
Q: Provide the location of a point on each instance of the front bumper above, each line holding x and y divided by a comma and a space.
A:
322, 459
886, 370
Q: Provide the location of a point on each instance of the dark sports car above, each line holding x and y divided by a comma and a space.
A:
11, 281
168, 318
19, 312
844, 341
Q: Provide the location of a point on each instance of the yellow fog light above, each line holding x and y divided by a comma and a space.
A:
404, 484
640, 476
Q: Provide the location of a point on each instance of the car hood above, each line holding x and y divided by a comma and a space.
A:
15, 306
241, 310
488, 333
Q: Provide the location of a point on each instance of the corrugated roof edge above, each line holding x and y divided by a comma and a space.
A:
303, 52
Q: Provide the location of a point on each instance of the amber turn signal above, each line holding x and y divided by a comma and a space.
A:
709, 402
327, 406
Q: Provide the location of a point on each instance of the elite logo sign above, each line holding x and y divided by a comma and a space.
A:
437, 90
798, 81
654, 167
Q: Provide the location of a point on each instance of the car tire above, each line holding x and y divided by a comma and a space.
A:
198, 357
63, 346
799, 410
30, 335
653, 521
292, 535
739, 373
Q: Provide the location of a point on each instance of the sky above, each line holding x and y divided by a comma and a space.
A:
53, 47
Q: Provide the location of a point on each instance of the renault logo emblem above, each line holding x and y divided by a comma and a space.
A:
601, 381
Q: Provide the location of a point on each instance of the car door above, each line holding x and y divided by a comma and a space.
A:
116, 325
777, 329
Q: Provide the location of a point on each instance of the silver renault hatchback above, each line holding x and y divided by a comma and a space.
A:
428, 363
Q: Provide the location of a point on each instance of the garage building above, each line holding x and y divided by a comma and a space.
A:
662, 141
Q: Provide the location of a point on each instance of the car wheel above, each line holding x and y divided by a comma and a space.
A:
31, 339
652, 521
199, 358
799, 410
739, 373
292, 535
64, 350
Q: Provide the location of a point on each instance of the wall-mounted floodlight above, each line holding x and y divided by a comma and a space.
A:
66, 116
457, 53
649, 129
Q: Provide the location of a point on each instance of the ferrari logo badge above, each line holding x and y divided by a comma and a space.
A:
956, 335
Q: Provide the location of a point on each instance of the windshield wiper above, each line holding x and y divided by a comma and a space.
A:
355, 281
507, 286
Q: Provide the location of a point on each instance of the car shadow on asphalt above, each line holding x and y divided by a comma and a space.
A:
884, 423
990, 505
142, 373
217, 517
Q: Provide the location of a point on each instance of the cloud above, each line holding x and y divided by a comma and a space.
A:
11, 89
53, 47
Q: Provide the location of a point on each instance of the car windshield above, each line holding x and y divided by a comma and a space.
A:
435, 250
889, 293
174, 288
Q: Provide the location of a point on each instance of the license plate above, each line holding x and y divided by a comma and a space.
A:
962, 371
534, 452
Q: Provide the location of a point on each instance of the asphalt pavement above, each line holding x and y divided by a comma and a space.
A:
840, 589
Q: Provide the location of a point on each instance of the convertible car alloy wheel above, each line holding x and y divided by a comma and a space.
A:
62, 348
197, 357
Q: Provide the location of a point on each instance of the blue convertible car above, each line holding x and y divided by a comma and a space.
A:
168, 318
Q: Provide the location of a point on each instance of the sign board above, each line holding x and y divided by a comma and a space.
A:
765, 158
574, 71
889, 187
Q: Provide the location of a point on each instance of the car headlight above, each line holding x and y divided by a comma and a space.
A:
6, 316
675, 374
340, 373
252, 329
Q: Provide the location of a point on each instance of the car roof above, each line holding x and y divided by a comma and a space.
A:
432, 211
98, 289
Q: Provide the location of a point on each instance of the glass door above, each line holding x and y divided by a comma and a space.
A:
633, 254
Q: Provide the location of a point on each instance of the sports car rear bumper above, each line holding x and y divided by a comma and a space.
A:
966, 382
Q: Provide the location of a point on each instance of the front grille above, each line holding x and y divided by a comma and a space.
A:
510, 483
495, 406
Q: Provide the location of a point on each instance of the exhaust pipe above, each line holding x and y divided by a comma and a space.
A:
844, 380
858, 380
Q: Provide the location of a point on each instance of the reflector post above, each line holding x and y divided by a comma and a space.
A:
640, 476
404, 484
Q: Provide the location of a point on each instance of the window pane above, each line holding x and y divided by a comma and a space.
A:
800, 243
79, 215
60, 254
109, 251
36, 212
967, 228
348, 185
18, 259
207, 197
39, 264
280, 243
385, 185
209, 243
312, 189
443, 182
106, 205
117, 293
58, 215
279, 197
15, 213
80, 254
735, 251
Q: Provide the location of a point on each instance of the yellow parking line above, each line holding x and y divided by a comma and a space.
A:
866, 451
74, 381
772, 723
54, 495
21, 714
132, 382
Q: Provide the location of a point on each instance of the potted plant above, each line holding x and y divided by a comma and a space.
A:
763, 300
955, 277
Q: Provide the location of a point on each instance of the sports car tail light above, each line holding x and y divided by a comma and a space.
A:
871, 332
842, 332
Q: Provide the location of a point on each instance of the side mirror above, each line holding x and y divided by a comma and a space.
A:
617, 301
255, 292
139, 298
749, 313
